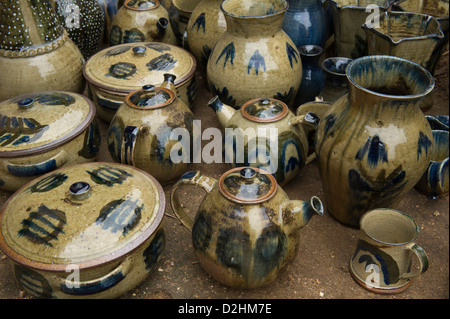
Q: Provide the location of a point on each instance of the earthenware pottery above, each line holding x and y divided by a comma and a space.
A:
267, 135
313, 79
386, 246
116, 71
36, 53
84, 21
434, 182
374, 144
180, 12
246, 230
92, 230
336, 84
43, 131
141, 21
348, 17
109, 8
254, 57
412, 36
206, 25
306, 23
141, 132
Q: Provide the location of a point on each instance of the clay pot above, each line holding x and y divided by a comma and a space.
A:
246, 230
254, 57
336, 84
43, 131
141, 21
140, 133
84, 231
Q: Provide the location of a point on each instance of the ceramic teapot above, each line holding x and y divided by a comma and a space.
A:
246, 229
140, 131
265, 126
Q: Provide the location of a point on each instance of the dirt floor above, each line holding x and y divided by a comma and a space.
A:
320, 269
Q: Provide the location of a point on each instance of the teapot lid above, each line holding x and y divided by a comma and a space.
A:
34, 123
127, 67
141, 5
264, 110
247, 185
150, 97
86, 214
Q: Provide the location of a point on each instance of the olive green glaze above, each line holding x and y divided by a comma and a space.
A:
246, 230
140, 131
383, 257
92, 230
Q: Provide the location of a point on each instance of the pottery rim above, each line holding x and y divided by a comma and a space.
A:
141, 9
167, 102
346, 60
277, 12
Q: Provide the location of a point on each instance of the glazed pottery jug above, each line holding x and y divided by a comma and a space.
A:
246, 230
348, 17
313, 79
36, 53
92, 230
374, 144
265, 128
386, 246
336, 84
434, 182
306, 23
254, 57
412, 36
140, 133
43, 131
206, 25
180, 12
84, 21
141, 21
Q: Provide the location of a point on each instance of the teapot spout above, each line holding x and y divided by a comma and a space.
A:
169, 82
224, 112
300, 212
161, 26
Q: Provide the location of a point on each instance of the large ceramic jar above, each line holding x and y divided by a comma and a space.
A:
116, 71
144, 132
92, 230
313, 79
141, 21
254, 57
246, 230
36, 53
84, 21
43, 131
206, 25
374, 144
306, 22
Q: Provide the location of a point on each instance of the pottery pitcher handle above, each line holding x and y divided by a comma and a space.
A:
421, 256
130, 135
190, 178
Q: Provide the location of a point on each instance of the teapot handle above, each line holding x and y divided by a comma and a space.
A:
190, 178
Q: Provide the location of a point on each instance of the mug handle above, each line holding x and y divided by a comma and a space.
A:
190, 178
421, 256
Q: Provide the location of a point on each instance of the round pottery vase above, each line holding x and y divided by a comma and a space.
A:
43, 131
143, 132
141, 21
374, 144
36, 53
435, 181
254, 57
306, 22
246, 229
180, 12
313, 79
206, 25
92, 230
84, 21
336, 84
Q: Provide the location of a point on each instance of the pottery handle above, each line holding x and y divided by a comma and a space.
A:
130, 135
36, 169
190, 178
421, 256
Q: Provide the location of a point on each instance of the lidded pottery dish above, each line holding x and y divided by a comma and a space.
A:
88, 230
116, 71
246, 229
43, 131
144, 131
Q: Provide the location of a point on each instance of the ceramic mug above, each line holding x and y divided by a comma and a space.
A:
384, 253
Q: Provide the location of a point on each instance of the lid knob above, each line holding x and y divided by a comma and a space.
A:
139, 51
25, 103
264, 101
80, 190
247, 172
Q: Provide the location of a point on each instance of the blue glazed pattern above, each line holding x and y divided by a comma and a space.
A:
292, 54
228, 52
120, 215
375, 151
93, 288
199, 22
256, 62
33, 169
48, 183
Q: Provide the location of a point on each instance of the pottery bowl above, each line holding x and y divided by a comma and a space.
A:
43, 131
84, 231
